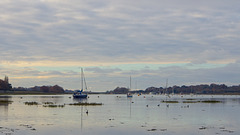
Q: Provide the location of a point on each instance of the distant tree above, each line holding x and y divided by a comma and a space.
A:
6, 79
56, 89
44, 88
120, 90
5, 85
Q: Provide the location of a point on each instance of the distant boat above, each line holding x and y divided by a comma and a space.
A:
78, 93
166, 90
130, 94
191, 94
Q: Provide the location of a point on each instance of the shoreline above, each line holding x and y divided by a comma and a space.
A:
94, 93
29, 93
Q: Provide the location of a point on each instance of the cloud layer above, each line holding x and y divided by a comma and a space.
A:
185, 41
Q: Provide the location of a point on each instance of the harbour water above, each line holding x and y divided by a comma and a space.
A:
139, 115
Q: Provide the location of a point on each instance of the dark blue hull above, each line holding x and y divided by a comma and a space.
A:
80, 96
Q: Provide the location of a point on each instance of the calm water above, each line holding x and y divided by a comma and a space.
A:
140, 115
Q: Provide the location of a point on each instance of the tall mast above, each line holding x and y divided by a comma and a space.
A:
166, 86
130, 83
84, 82
82, 78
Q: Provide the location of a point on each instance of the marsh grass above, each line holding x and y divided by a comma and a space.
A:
53, 106
48, 103
170, 101
211, 101
191, 101
31, 103
5, 102
205, 101
85, 104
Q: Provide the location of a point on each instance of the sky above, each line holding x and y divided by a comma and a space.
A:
187, 42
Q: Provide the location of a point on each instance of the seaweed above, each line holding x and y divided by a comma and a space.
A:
31, 103
191, 101
85, 104
53, 106
170, 101
153, 129
5, 102
48, 103
211, 101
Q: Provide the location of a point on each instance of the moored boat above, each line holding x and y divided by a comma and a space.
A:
129, 95
79, 93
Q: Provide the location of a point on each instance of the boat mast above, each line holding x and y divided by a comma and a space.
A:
166, 87
130, 83
84, 82
81, 78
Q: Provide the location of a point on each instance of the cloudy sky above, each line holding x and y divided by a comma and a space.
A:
188, 42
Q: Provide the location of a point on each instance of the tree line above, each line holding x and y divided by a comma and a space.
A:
194, 89
44, 89
6, 86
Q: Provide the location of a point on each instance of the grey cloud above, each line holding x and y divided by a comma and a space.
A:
124, 35
101, 70
126, 31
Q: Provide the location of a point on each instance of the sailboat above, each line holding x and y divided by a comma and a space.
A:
166, 91
78, 93
130, 94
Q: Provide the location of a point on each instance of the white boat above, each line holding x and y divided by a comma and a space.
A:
79, 93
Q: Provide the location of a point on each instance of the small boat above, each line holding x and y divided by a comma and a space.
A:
129, 95
79, 93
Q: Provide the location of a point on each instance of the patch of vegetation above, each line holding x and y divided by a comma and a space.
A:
211, 101
170, 101
163, 129
48, 103
152, 129
5, 102
31, 103
191, 101
53, 106
85, 104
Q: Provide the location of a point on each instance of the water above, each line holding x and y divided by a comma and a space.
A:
140, 115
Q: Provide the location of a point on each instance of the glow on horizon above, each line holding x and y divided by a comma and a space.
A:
62, 64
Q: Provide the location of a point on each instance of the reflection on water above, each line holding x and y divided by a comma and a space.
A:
4, 102
82, 100
140, 115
